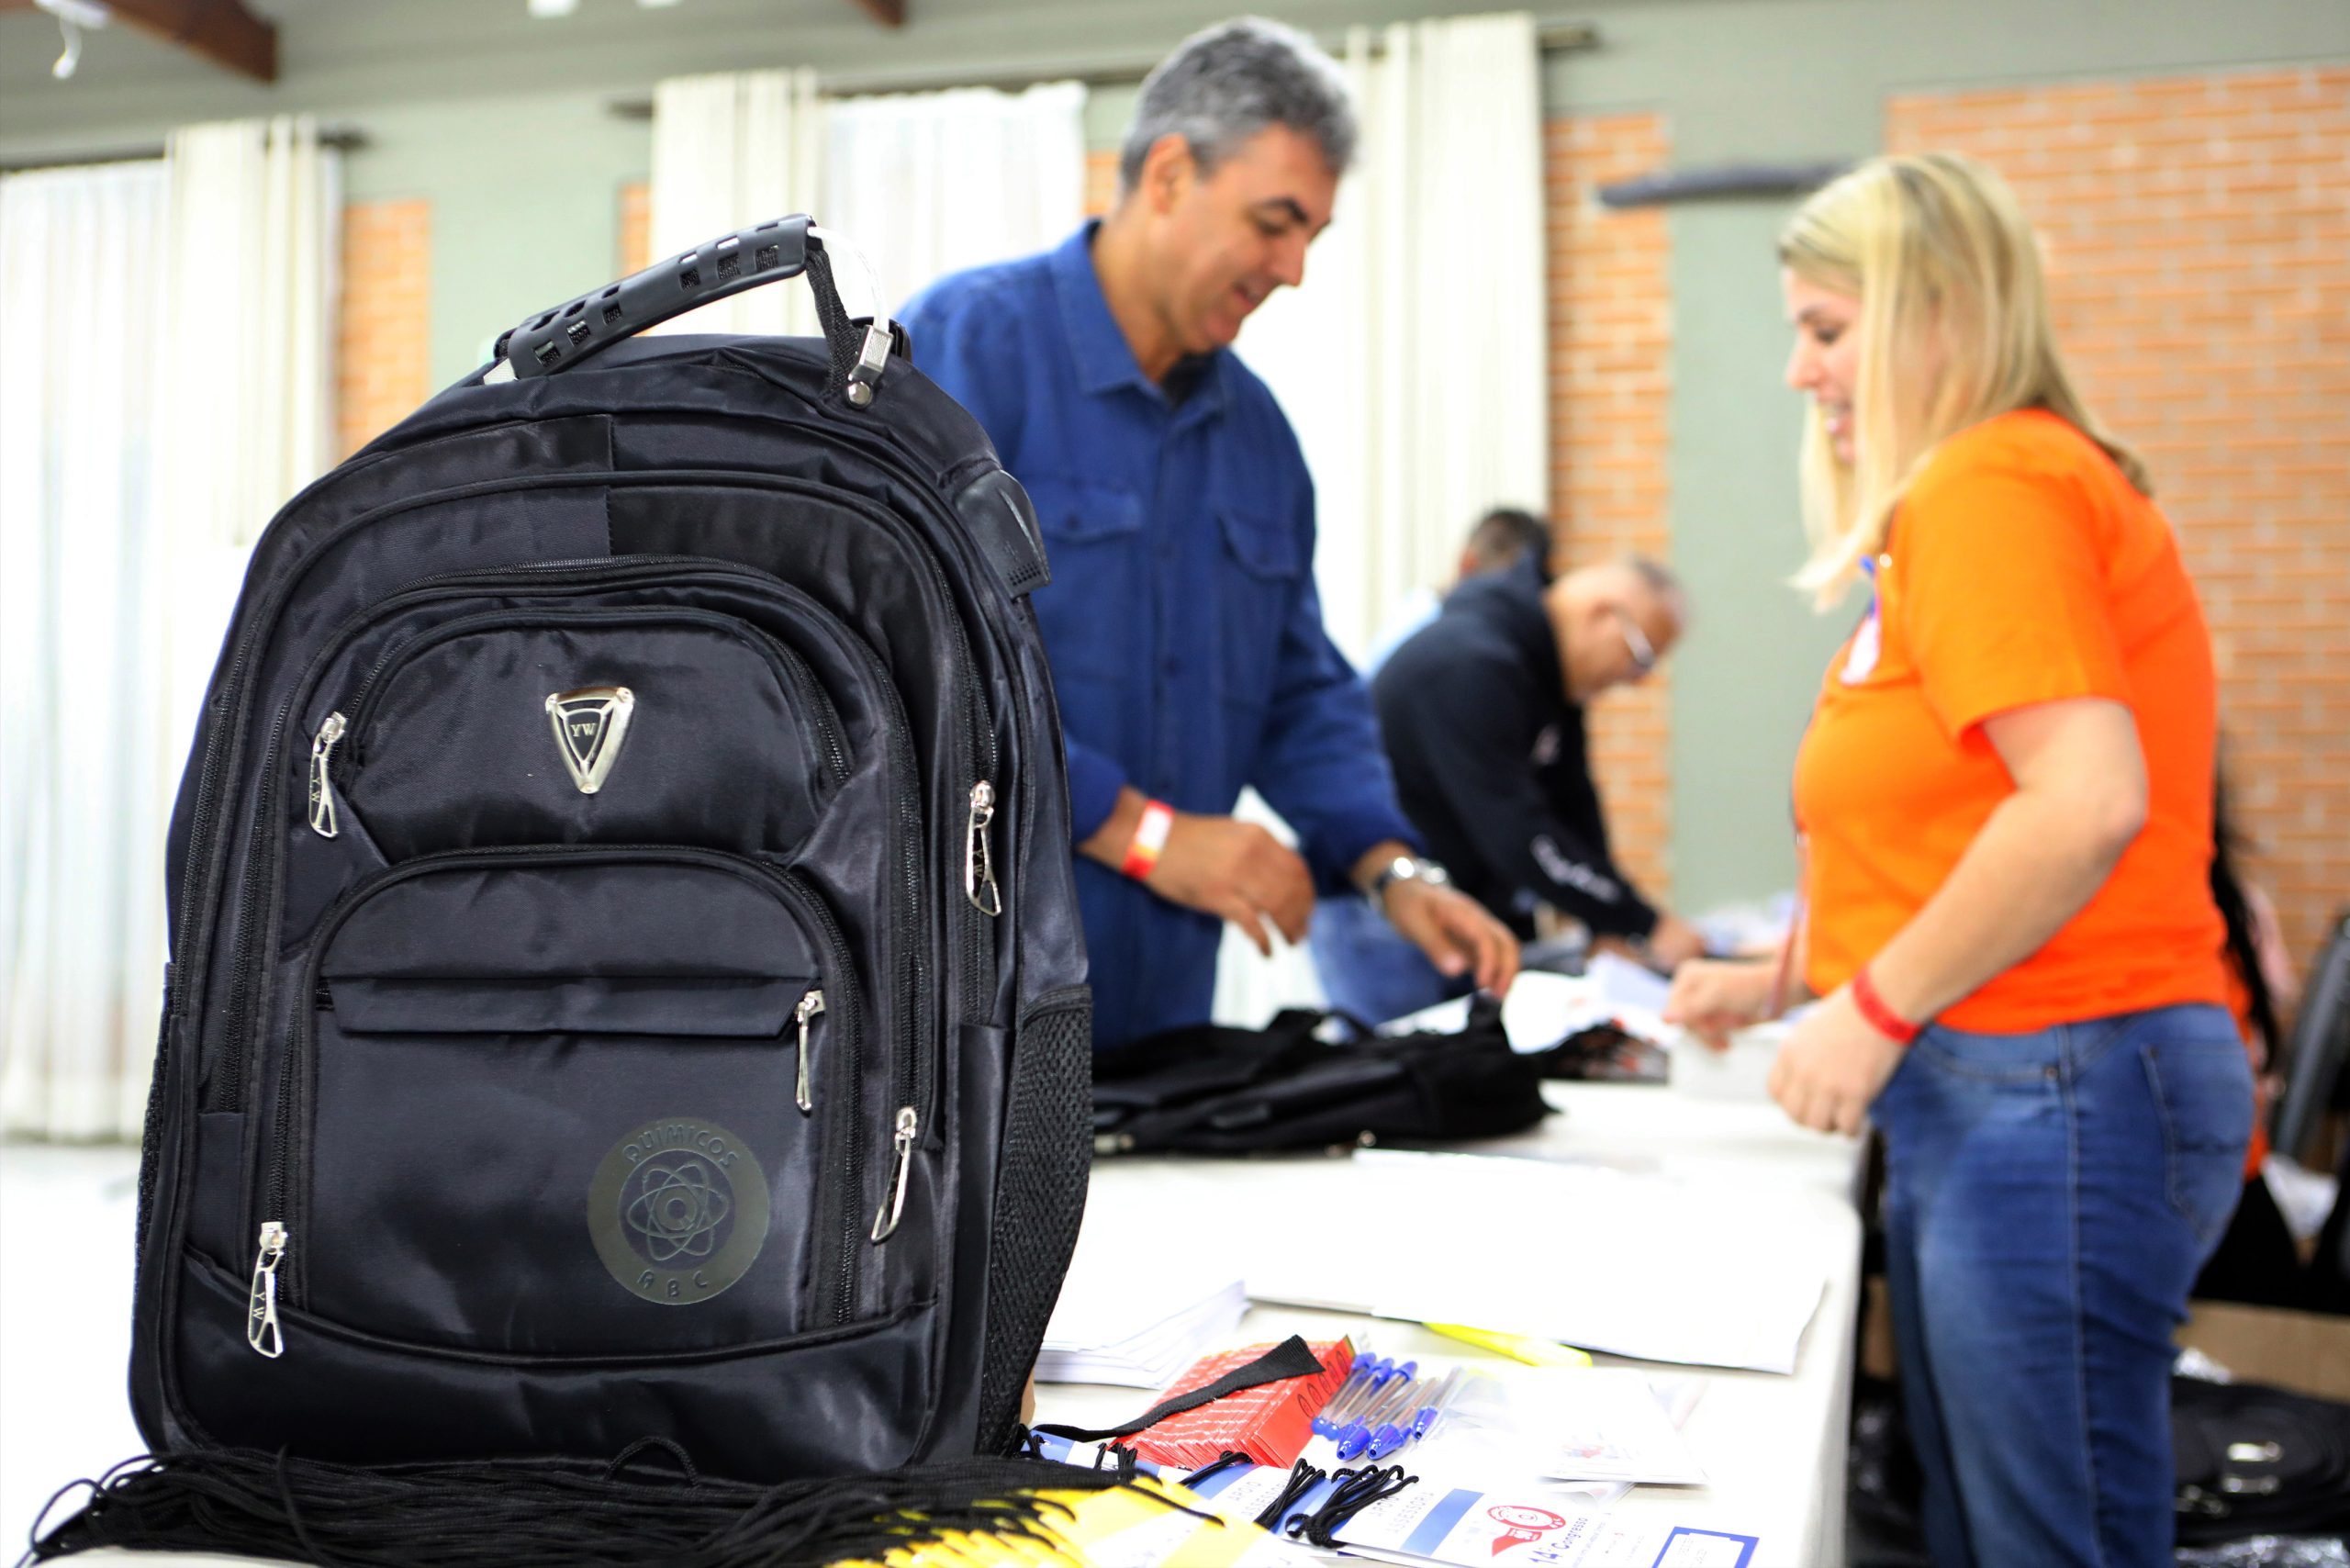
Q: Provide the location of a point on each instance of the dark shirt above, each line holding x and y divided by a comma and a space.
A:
1490, 761
1182, 625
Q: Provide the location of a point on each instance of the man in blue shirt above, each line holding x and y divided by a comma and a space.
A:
1182, 623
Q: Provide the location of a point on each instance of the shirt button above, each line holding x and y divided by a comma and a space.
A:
1171, 668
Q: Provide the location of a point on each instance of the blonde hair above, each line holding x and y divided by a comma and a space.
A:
1947, 272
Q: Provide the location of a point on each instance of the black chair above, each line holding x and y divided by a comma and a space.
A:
2320, 1043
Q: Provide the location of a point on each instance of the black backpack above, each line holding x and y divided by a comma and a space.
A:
627, 978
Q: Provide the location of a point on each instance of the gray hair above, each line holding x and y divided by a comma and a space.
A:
1660, 581
1658, 576
1224, 85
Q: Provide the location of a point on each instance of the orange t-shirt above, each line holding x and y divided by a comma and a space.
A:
2022, 568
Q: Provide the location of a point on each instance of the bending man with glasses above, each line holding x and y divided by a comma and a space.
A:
1480, 713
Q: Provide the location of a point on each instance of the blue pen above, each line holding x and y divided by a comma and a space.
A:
1402, 1426
1384, 1373
1367, 1374
1356, 1440
1357, 1436
1433, 1411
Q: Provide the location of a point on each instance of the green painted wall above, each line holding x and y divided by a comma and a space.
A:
525, 196
502, 123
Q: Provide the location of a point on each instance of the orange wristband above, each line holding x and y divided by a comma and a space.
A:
1150, 837
1883, 1019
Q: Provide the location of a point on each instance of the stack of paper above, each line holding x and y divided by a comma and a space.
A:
1138, 1332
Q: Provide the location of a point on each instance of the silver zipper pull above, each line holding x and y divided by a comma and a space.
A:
979, 865
902, 1147
322, 821
261, 1330
809, 1005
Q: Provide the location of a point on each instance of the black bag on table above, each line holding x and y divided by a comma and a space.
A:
1214, 1089
2255, 1460
627, 978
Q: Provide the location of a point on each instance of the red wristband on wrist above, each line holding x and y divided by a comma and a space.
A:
1150, 837
1883, 1019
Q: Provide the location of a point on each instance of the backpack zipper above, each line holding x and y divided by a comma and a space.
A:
323, 818
809, 1005
262, 1331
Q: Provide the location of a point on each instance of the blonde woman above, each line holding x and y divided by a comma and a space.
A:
2004, 799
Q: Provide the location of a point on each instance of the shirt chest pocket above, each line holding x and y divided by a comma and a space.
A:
1093, 537
1259, 566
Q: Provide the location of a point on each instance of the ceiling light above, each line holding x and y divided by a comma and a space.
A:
72, 15
564, 7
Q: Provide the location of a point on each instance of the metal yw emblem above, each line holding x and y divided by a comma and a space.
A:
589, 725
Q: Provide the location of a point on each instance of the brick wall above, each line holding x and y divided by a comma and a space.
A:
635, 227
385, 337
1611, 345
1101, 181
2198, 237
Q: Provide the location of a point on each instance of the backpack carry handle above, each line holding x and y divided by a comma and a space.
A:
561, 337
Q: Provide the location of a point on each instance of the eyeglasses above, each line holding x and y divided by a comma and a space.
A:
1636, 643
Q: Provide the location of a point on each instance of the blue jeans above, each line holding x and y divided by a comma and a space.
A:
2049, 1198
1370, 972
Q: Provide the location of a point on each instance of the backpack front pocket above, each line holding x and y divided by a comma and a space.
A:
606, 725
568, 1102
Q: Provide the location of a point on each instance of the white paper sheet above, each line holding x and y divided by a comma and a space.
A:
1639, 1265
1543, 1008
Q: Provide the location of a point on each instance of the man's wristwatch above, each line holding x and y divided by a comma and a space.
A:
1406, 869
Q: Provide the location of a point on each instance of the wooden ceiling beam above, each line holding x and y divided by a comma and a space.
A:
223, 31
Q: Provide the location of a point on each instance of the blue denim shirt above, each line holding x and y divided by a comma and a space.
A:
1183, 625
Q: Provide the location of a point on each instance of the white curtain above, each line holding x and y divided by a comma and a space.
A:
922, 184
255, 275
926, 184
166, 379
730, 150
81, 588
1415, 361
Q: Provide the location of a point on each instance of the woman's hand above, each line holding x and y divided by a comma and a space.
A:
1828, 1073
1711, 997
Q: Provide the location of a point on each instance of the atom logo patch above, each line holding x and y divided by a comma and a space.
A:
678, 1211
678, 1208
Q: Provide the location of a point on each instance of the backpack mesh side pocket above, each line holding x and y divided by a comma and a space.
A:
1046, 1154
